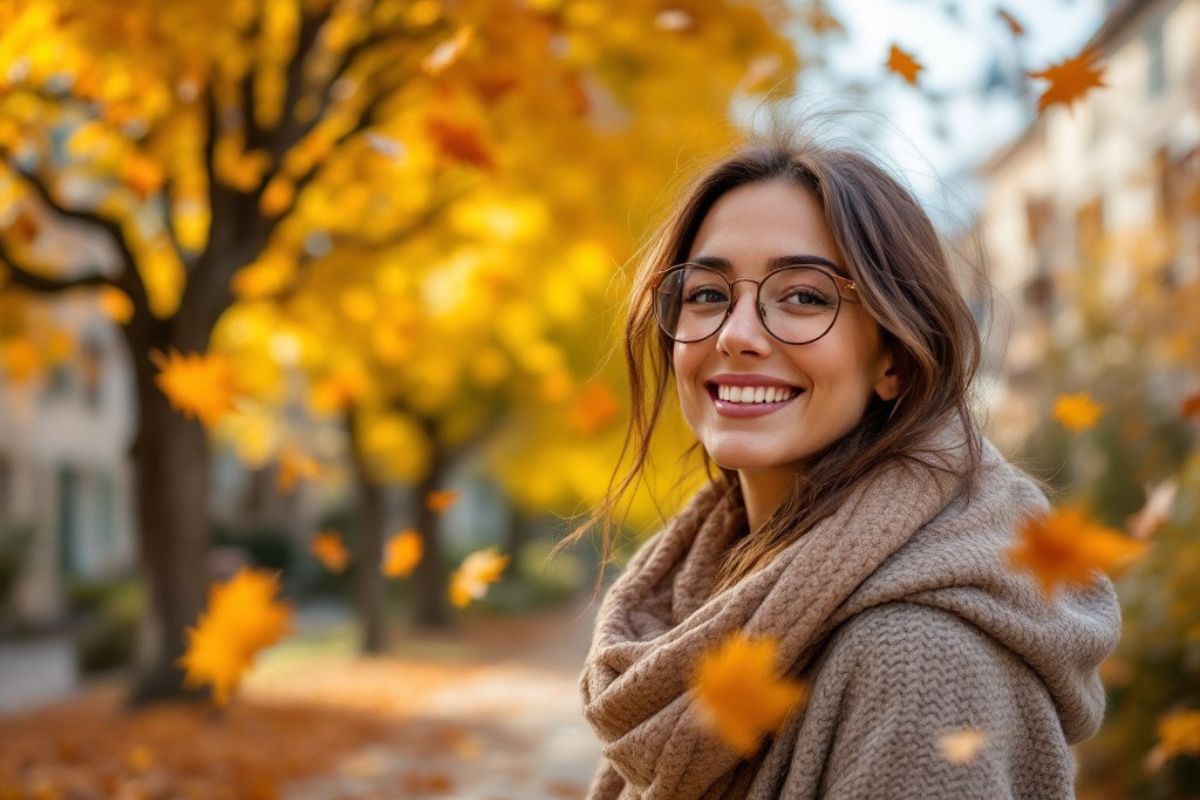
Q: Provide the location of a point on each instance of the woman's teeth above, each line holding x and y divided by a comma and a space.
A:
754, 394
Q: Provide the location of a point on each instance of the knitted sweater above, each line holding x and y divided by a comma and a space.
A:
900, 613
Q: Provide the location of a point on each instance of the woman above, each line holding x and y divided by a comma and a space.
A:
801, 302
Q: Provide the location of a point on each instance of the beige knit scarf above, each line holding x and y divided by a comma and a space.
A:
658, 618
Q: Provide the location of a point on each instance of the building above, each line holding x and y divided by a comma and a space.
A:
1089, 200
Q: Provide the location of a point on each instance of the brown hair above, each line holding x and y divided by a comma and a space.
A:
895, 257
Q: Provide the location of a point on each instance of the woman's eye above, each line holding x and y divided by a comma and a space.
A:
699, 294
807, 297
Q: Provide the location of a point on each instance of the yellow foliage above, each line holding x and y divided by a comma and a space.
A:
115, 304
738, 693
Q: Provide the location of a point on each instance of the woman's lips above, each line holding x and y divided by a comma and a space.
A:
729, 409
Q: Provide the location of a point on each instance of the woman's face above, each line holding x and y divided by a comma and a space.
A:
835, 375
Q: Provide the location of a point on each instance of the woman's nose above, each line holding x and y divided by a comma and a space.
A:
743, 330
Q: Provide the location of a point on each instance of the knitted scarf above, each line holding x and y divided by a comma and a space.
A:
658, 618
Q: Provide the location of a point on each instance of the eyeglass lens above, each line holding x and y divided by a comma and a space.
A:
799, 303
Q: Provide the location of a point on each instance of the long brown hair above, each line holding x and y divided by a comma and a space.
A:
896, 259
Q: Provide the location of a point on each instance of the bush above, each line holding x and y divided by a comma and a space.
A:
107, 613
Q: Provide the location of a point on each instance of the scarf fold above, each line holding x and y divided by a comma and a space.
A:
658, 617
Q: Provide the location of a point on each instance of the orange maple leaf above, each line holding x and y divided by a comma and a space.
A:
903, 64
329, 549
1077, 411
293, 466
1065, 547
470, 581
196, 384
441, 499
1070, 80
242, 618
401, 553
739, 695
461, 142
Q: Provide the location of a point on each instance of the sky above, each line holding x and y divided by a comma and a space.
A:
937, 143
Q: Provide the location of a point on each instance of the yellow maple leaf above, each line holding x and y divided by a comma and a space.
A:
470, 581
1077, 411
401, 553
198, 385
440, 499
739, 694
329, 549
294, 466
242, 618
1070, 80
903, 64
961, 747
1065, 547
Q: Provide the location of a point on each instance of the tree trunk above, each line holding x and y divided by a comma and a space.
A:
516, 534
431, 609
171, 458
369, 580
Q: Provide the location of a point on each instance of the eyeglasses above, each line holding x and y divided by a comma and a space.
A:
797, 304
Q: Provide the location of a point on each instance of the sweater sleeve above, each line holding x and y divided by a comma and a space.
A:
921, 681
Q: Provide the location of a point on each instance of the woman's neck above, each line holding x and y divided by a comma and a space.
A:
763, 491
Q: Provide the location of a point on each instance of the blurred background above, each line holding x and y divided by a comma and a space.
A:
320, 301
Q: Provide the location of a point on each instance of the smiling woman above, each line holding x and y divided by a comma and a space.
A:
801, 302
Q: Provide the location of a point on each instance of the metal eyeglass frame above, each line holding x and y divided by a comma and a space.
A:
844, 285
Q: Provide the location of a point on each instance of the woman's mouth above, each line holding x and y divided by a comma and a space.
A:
750, 407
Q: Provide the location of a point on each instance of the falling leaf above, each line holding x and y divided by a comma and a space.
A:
401, 553
1190, 406
441, 499
1014, 26
1069, 80
961, 747
115, 304
903, 64
198, 385
1064, 546
739, 694
242, 618
1178, 734
293, 466
820, 21
143, 175
1156, 512
1077, 411
329, 549
460, 141
470, 581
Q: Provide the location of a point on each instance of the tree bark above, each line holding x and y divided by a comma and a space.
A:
171, 460
369, 580
516, 535
430, 604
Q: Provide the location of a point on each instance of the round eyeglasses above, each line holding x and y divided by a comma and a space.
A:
797, 304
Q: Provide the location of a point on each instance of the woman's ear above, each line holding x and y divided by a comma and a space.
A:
887, 380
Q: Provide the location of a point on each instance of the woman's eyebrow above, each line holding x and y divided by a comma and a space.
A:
724, 265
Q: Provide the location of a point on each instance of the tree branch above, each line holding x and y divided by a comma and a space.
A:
20, 275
